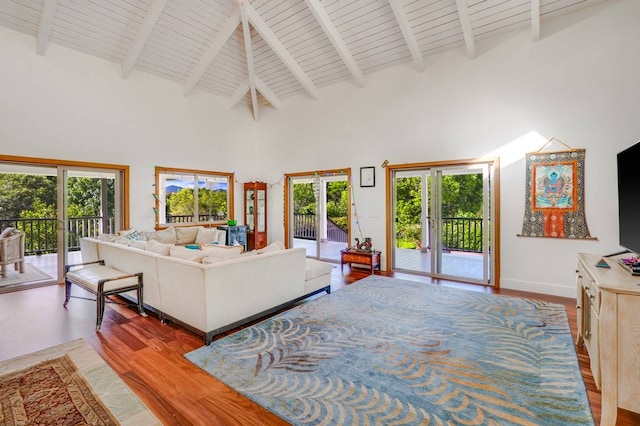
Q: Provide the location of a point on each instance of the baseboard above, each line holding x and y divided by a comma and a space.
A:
543, 288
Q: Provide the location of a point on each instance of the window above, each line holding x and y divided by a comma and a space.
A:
178, 203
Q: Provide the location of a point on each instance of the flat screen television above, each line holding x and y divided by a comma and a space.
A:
629, 198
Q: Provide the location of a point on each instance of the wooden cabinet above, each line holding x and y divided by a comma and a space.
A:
255, 214
609, 327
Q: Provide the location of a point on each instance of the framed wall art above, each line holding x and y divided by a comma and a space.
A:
554, 200
367, 176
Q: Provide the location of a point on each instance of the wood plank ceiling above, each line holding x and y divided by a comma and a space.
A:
259, 52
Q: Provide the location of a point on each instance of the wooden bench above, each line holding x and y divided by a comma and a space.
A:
102, 281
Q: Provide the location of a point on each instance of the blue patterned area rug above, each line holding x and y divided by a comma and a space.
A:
389, 351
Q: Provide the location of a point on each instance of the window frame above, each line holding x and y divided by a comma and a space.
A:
196, 175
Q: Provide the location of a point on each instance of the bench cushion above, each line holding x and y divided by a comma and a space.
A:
89, 276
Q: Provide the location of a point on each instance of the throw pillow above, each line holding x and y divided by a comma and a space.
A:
9, 231
186, 254
132, 234
154, 246
187, 235
166, 236
208, 236
275, 246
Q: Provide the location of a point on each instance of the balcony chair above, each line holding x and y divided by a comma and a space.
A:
11, 250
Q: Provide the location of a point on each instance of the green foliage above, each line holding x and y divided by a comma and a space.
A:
19, 192
212, 202
304, 200
181, 203
408, 212
462, 197
338, 203
39, 210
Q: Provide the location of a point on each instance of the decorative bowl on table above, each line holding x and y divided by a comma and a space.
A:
232, 222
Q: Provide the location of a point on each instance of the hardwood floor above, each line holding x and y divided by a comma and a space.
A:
149, 357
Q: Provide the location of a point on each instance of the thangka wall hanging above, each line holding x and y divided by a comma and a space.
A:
554, 202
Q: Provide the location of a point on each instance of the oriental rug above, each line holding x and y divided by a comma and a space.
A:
391, 351
68, 384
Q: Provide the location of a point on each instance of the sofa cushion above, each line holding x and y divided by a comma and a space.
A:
316, 268
166, 236
108, 237
122, 241
211, 236
157, 247
187, 254
221, 251
142, 245
275, 246
209, 260
187, 234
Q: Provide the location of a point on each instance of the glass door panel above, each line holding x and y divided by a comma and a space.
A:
304, 225
262, 225
319, 214
28, 202
90, 203
442, 221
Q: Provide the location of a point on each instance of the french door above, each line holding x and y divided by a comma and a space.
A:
56, 203
317, 213
443, 220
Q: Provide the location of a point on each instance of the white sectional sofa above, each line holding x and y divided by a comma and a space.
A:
210, 298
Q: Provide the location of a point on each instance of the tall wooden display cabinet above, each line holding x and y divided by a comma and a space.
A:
255, 214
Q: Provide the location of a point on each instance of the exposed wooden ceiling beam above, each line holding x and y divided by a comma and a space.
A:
270, 38
535, 20
408, 33
467, 29
268, 94
213, 50
334, 36
148, 23
239, 93
246, 31
46, 23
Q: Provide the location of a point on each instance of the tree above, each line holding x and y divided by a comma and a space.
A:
304, 199
181, 202
19, 192
212, 202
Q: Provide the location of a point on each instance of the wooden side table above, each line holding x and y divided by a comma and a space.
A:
370, 258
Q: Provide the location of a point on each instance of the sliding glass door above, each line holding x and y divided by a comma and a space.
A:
56, 205
443, 221
317, 213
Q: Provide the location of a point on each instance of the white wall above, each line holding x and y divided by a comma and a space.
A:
71, 106
578, 84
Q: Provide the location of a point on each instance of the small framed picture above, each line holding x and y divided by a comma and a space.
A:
367, 176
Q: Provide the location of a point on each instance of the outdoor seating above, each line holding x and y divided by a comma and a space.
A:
11, 250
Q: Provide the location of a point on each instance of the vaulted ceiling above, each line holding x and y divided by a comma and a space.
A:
260, 52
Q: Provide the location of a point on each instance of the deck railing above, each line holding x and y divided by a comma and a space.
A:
459, 233
304, 227
462, 234
41, 234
